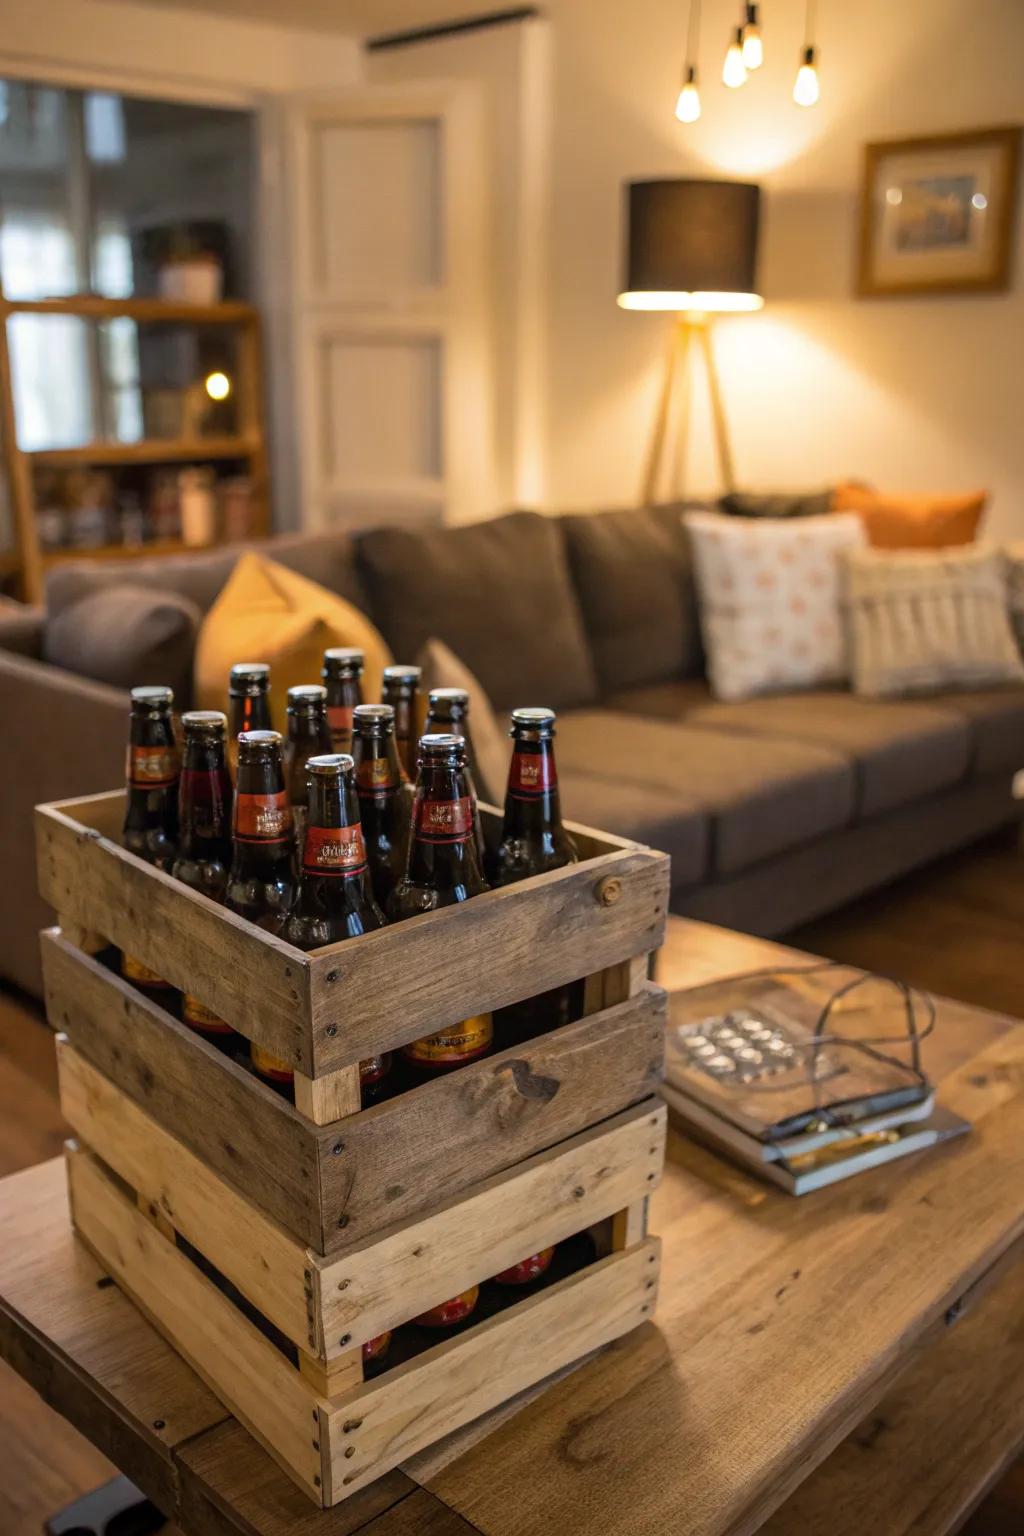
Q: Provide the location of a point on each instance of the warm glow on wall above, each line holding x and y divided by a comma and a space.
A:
708, 303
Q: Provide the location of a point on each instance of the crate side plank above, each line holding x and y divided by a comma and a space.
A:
253, 980
261, 1388
241, 1128
266, 1264
400, 1157
495, 1225
391, 1419
377, 992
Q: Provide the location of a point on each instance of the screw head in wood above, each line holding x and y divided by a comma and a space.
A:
345, 1339
337, 1149
608, 891
332, 1029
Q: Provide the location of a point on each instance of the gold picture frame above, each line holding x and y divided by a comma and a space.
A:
938, 213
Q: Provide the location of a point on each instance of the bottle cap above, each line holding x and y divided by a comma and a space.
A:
373, 716
251, 743
533, 721
248, 677
436, 746
403, 674
152, 698
204, 722
343, 659
331, 765
307, 696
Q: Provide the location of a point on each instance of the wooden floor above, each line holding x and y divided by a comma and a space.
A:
955, 928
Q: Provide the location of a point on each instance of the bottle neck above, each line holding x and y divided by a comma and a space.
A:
205, 803
248, 712
442, 853
378, 771
402, 699
532, 803
152, 766
263, 827
333, 849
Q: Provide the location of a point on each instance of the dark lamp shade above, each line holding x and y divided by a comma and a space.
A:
691, 245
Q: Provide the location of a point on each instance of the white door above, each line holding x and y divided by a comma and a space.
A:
382, 300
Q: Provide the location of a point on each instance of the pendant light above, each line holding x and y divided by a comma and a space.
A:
688, 103
734, 71
806, 89
753, 48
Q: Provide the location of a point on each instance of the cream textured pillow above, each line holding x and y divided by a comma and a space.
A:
1015, 579
769, 593
921, 622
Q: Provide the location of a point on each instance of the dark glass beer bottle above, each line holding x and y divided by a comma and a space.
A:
533, 840
248, 705
151, 808
261, 882
385, 796
308, 736
401, 690
442, 868
448, 711
527, 1270
342, 676
335, 898
204, 846
450, 1312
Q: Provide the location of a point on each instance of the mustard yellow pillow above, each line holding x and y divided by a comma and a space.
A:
268, 613
912, 522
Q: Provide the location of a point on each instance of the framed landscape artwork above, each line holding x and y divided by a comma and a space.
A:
937, 214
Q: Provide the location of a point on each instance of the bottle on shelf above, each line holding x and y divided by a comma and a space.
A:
342, 676
533, 841
385, 796
442, 868
204, 846
448, 1313
527, 1270
248, 705
448, 710
151, 807
401, 690
308, 736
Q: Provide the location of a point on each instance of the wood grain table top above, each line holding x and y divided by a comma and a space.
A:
782, 1327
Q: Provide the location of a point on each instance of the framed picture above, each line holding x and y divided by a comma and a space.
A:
937, 214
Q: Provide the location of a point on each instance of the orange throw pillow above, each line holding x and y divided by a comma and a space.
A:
912, 522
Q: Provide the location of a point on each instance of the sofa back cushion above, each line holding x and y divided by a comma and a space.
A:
498, 593
327, 558
634, 576
127, 636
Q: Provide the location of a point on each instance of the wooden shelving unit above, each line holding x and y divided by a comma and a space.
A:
29, 561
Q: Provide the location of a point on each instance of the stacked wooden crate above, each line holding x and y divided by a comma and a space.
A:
268, 1241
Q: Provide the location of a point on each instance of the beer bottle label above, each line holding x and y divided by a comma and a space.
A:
263, 818
207, 794
268, 1065
202, 1018
374, 1069
374, 779
134, 970
376, 1349
453, 1047
334, 851
450, 1312
527, 1270
531, 775
444, 821
339, 719
151, 767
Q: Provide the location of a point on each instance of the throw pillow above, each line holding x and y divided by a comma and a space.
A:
127, 636
491, 750
912, 522
268, 613
498, 592
769, 600
1015, 581
776, 503
925, 621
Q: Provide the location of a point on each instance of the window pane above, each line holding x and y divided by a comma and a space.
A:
37, 252
50, 376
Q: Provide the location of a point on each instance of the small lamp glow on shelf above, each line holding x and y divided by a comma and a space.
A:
752, 47
688, 105
806, 89
734, 71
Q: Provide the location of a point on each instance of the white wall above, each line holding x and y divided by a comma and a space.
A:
913, 394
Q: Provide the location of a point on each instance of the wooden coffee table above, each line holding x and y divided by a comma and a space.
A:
846, 1362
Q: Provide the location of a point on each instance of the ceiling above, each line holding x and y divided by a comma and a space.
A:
356, 18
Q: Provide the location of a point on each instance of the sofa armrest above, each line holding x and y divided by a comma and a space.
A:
60, 735
21, 629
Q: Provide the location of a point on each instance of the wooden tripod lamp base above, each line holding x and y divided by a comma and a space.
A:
691, 339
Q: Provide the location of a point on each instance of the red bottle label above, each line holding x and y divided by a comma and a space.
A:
450, 1312
375, 779
263, 818
334, 851
270, 1066
151, 767
531, 775
444, 821
339, 718
201, 1018
527, 1270
376, 1349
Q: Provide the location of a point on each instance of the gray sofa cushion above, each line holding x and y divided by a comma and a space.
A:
996, 720
776, 503
498, 593
666, 819
125, 636
634, 578
327, 558
759, 801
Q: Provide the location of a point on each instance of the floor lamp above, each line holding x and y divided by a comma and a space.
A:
691, 248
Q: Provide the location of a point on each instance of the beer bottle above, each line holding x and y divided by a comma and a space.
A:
248, 705
335, 899
442, 868
533, 840
448, 710
151, 807
261, 882
385, 796
527, 1270
204, 847
450, 1312
308, 736
401, 691
342, 676
375, 1350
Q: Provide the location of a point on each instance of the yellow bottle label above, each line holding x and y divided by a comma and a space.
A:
269, 1065
134, 970
455, 1046
202, 1018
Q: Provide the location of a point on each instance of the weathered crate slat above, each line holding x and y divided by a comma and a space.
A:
325, 1011
334, 1446
334, 1186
